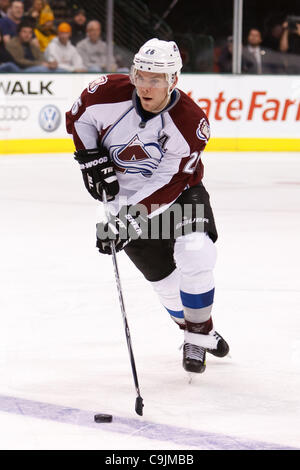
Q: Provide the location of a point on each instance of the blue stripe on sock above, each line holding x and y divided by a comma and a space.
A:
197, 300
175, 313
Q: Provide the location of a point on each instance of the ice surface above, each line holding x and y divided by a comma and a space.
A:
63, 354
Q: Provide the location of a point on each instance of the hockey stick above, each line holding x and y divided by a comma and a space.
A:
139, 401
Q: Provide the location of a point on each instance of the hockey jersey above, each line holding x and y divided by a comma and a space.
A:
156, 158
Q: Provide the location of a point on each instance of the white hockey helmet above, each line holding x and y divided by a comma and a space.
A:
158, 56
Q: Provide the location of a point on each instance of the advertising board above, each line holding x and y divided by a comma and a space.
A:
245, 112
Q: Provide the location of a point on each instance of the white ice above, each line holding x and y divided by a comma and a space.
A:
62, 338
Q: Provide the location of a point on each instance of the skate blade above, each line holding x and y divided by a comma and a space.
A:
193, 377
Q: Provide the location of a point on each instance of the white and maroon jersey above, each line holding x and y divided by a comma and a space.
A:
155, 159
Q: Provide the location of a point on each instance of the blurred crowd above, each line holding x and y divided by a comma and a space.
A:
33, 40
277, 52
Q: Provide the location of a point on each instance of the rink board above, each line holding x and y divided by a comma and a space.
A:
246, 113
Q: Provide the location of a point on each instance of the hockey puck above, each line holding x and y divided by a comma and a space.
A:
103, 418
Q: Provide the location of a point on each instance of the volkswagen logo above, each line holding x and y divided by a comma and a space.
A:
49, 118
14, 113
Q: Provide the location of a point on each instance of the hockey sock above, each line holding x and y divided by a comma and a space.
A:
168, 292
195, 256
197, 311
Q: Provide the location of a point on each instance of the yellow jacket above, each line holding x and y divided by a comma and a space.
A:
43, 39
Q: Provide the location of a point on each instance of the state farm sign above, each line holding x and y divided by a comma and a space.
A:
258, 106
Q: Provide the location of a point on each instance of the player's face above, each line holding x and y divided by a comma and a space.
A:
152, 89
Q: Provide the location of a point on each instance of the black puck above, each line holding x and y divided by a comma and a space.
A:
103, 418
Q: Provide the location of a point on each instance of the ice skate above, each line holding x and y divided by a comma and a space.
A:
194, 358
222, 348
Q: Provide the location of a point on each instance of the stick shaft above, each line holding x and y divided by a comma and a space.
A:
121, 301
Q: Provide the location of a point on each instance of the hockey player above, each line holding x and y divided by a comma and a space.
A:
140, 139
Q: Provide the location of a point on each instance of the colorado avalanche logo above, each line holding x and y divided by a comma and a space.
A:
203, 131
93, 86
136, 157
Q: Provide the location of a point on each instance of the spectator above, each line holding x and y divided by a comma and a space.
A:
63, 52
38, 9
290, 43
225, 59
7, 63
26, 55
78, 25
290, 38
272, 37
4, 5
45, 30
94, 51
9, 23
252, 53
256, 60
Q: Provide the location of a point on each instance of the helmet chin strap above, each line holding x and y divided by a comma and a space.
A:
170, 89
172, 85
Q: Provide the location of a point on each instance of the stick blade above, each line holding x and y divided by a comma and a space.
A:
139, 405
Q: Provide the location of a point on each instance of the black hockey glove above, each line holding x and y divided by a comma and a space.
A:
120, 230
98, 173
